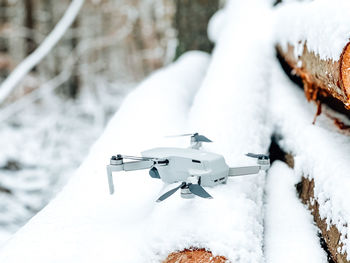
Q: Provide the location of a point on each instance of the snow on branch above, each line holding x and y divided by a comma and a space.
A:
33, 59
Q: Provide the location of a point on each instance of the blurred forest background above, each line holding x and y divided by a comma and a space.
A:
51, 119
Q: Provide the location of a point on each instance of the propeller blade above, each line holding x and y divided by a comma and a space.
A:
201, 138
169, 193
198, 190
138, 158
179, 135
259, 156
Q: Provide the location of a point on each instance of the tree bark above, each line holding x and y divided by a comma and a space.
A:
191, 21
330, 234
29, 24
5, 62
321, 77
72, 88
305, 188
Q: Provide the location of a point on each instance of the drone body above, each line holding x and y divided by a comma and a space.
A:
185, 163
192, 167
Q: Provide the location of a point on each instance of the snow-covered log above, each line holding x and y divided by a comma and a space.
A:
321, 157
321, 78
85, 224
330, 233
313, 38
230, 108
290, 234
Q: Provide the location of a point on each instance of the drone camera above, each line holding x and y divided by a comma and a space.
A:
153, 172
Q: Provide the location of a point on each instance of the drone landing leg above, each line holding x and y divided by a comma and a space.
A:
110, 170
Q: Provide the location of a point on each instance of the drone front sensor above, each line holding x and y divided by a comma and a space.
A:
192, 168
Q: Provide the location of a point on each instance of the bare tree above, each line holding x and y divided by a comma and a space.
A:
29, 24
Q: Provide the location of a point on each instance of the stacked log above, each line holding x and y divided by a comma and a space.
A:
330, 233
321, 78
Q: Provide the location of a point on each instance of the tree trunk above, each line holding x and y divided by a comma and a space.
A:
29, 24
321, 77
74, 81
5, 62
191, 21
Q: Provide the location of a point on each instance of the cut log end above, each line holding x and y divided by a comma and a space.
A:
345, 71
194, 256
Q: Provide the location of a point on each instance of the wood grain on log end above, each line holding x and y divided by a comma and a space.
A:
194, 256
330, 234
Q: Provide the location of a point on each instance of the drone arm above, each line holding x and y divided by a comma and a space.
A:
245, 170
138, 165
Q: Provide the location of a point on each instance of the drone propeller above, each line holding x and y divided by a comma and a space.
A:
198, 190
197, 137
195, 189
179, 135
258, 156
169, 193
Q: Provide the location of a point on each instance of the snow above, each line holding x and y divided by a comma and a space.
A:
290, 235
216, 24
237, 82
321, 151
45, 47
85, 223
323, 24
230, 108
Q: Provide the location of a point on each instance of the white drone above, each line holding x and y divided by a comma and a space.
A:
193, 167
